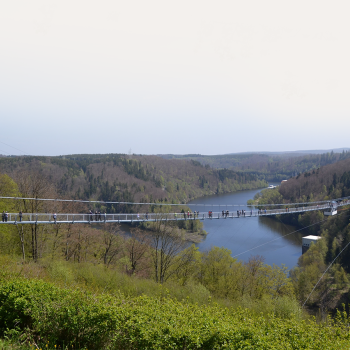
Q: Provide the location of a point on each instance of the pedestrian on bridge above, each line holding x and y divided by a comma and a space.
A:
3, 216
20, 216
55, 217
6, 216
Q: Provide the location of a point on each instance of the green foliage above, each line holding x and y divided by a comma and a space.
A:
269, 196
305, 279
8, 188
43, 312
311, 219
341, 278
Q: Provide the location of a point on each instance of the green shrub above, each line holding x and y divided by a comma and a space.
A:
44, 312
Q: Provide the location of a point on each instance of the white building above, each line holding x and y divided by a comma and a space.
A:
307, 240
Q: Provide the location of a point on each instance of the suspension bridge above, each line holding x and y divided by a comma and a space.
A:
98, 218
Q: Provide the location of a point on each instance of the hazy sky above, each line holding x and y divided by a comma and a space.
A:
192, 76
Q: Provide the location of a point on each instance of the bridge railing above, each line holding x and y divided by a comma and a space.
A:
70, 217
123, 217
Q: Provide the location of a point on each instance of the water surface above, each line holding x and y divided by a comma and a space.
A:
248, 236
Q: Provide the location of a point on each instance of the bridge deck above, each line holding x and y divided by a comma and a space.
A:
30, 218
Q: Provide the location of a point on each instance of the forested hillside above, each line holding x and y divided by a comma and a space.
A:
325, 183
267, 166
129, 179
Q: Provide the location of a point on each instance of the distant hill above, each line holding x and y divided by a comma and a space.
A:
298, 153
268, 165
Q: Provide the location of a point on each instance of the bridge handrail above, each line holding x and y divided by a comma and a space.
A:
137, 217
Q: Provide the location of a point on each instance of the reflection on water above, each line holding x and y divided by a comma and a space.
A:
283, 229
248, 236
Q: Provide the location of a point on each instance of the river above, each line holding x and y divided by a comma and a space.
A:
246, 237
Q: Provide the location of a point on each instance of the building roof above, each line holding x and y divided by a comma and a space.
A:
312, 237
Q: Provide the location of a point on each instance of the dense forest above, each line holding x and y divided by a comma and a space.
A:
322, 184
268, 166
114, 177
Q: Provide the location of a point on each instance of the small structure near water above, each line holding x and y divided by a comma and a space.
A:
307, 240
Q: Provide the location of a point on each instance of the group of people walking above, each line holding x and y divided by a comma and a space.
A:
5, 216
239, 213
225, 213
96, 215
189, 215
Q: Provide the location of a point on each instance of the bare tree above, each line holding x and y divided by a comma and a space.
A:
21, 238
167, 243
136, 248
111, 244
33, 184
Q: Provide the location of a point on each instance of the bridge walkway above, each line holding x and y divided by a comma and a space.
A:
40, 218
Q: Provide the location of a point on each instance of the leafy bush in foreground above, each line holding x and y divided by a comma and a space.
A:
44, 312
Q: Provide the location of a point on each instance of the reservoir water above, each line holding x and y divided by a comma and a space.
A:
246, 237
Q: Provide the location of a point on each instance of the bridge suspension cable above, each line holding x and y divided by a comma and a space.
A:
324, 274
275, 239
173, 204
